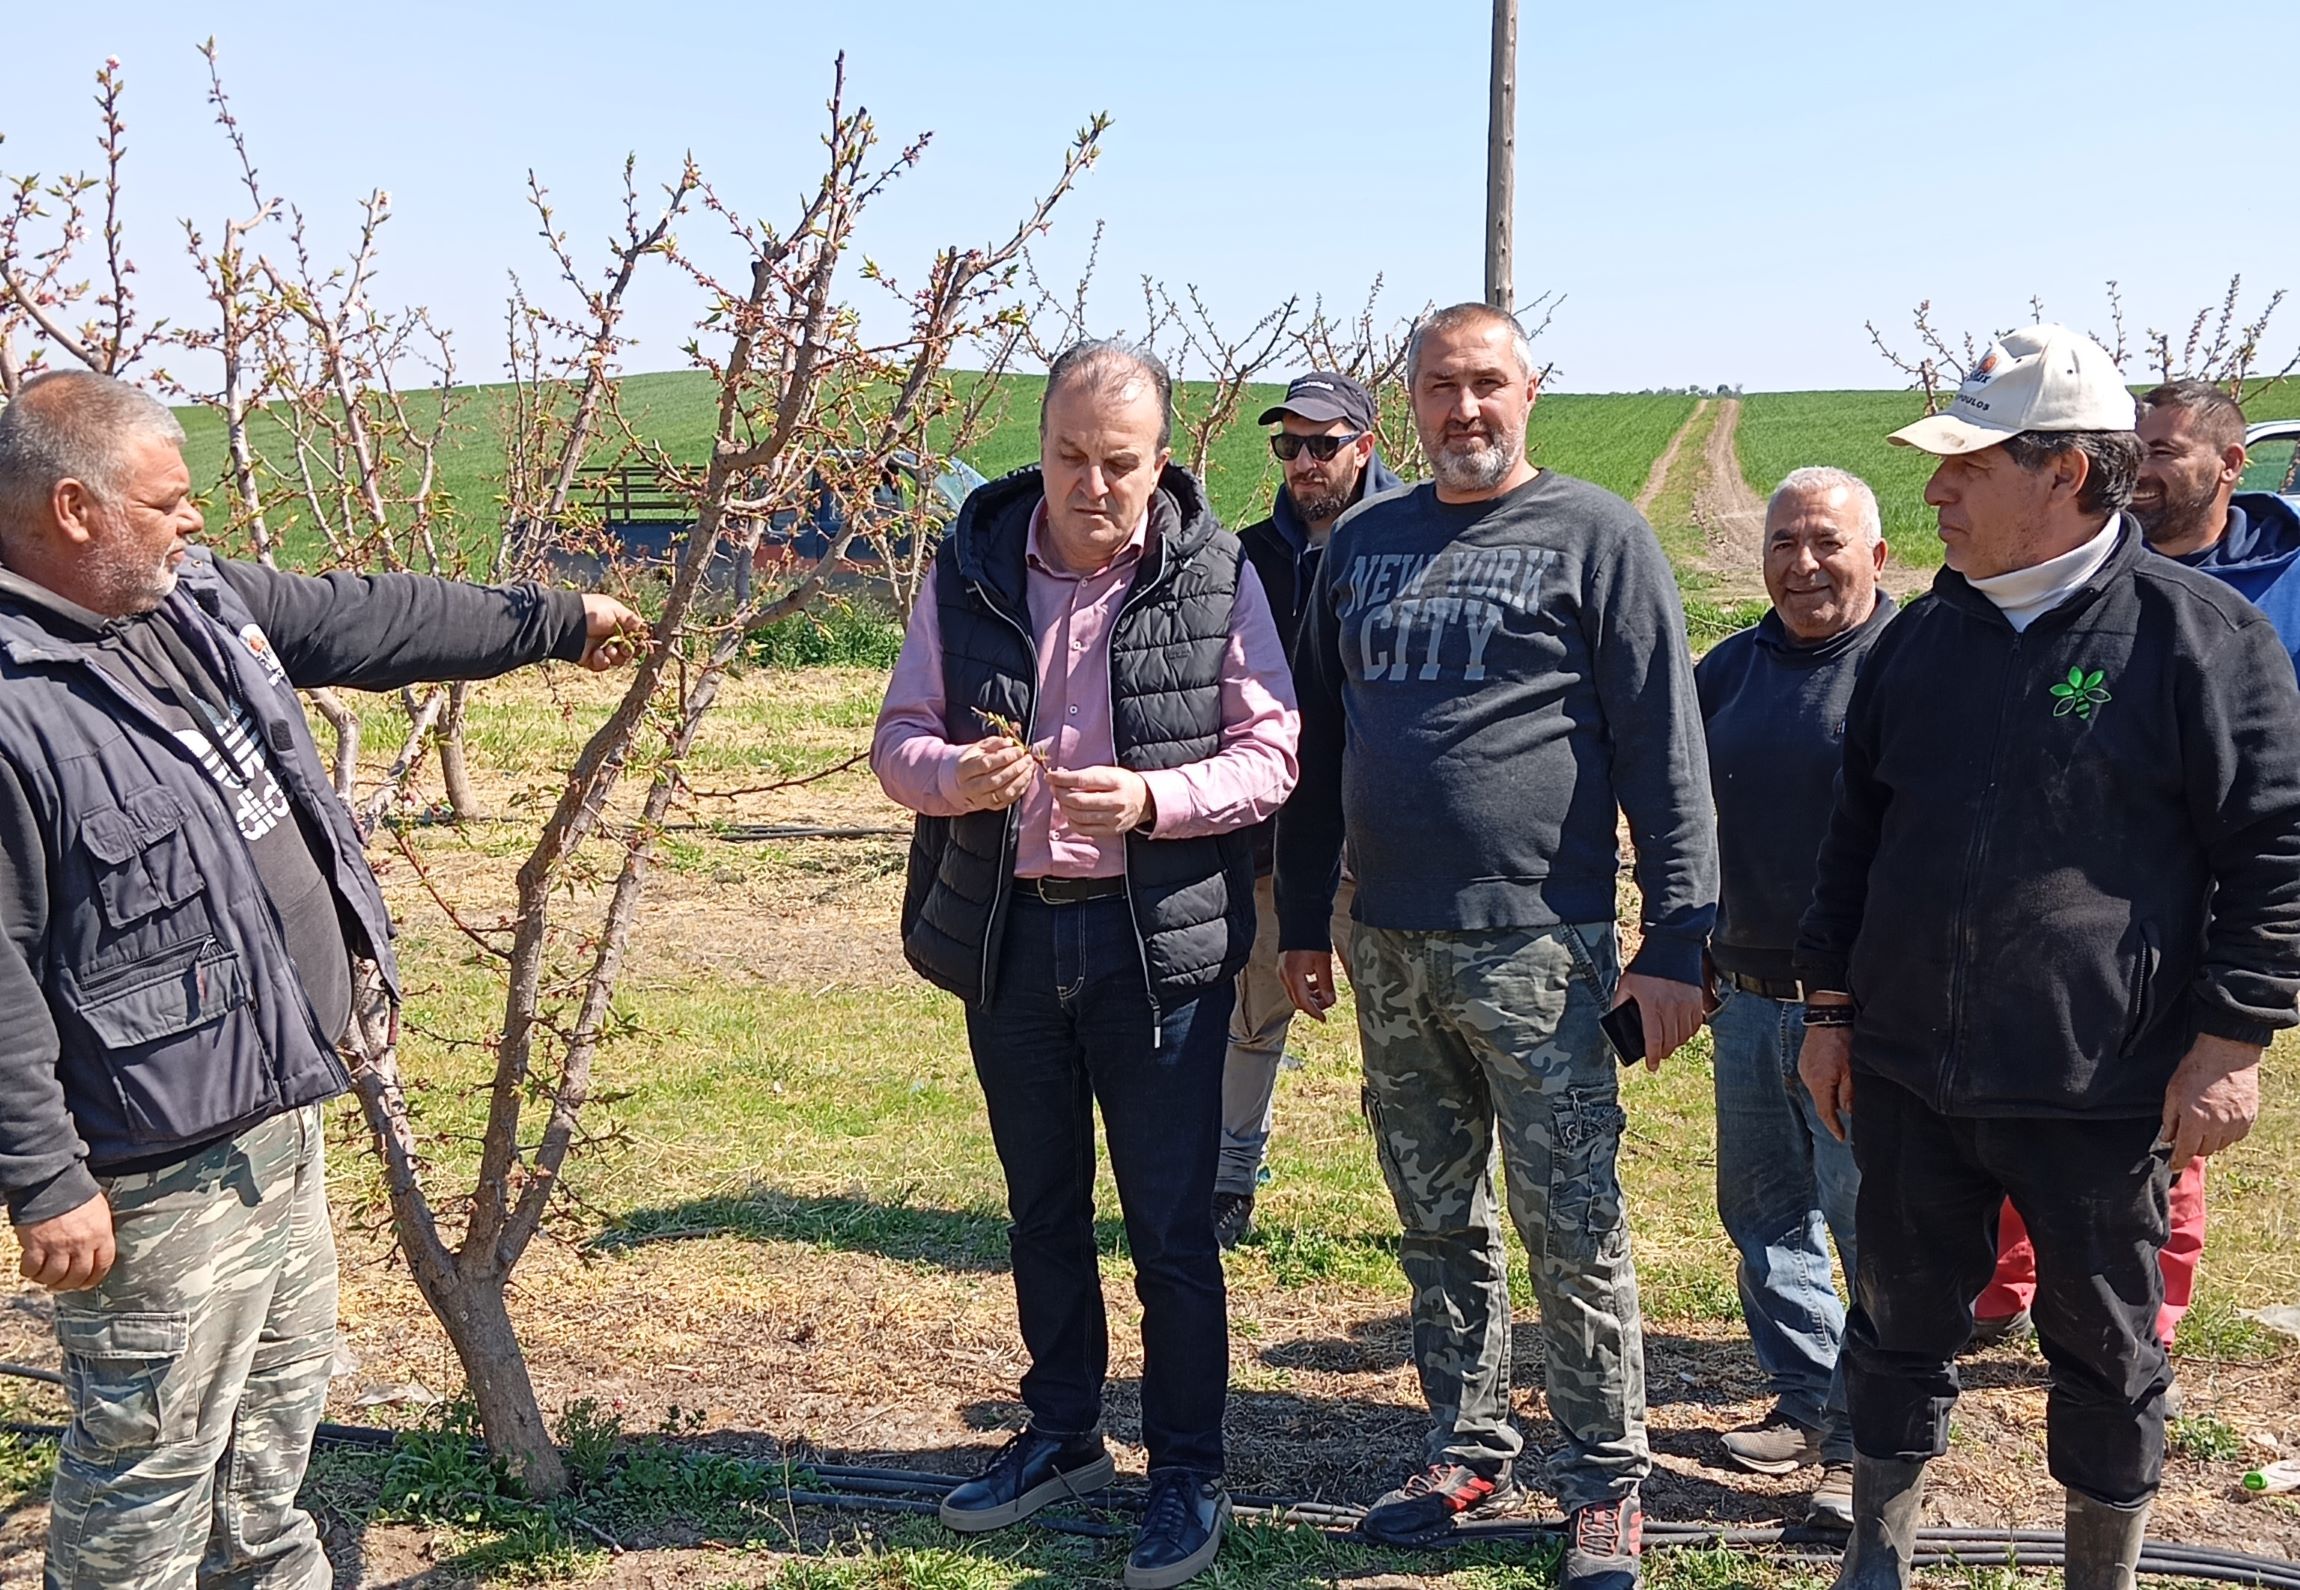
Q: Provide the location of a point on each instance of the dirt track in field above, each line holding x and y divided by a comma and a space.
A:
1657, 478
1730, 514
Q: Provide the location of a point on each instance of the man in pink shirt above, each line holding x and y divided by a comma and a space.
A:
1090, 711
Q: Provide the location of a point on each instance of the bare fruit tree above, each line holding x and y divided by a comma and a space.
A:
324, 443
1370, 346
805, 402
328, 452
2220, 345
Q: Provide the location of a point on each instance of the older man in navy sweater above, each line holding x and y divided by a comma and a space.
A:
1773, 698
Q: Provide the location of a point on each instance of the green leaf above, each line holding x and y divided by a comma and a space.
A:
2064, 690
2090, 679
2067, 705
2076, 677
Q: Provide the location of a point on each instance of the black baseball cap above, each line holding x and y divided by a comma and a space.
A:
1322, 396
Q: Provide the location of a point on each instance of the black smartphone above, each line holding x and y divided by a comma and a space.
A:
1624, 1028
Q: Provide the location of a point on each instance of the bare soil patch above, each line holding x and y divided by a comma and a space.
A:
1728, 511
853, 1357
1658, 477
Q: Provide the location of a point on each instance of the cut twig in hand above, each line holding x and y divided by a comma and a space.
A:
1000, 724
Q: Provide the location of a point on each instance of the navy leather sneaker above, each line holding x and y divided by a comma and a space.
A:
1182, 1527
1031, 1471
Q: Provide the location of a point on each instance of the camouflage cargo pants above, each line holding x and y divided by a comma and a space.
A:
197, 1372
1485, 1045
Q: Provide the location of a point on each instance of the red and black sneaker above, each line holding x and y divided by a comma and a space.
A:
1604, 1543
1428, 1506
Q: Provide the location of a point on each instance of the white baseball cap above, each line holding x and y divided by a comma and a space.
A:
2045, 378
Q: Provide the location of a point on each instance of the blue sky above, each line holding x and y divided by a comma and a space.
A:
1722, 192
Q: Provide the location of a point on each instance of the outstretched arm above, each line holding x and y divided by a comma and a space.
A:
382, 631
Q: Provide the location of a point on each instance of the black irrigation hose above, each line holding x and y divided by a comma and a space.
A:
911, 1492
1936, 1548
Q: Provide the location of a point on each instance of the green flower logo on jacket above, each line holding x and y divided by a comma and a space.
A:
2079, 693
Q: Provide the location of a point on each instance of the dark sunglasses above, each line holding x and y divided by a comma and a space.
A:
1289, 447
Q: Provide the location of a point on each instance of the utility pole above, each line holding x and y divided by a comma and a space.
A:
1501, 158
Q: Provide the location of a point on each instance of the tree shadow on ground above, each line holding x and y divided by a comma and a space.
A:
964, 1240
955, 1239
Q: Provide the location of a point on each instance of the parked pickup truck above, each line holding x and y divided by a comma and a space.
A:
635, 525
2273, 463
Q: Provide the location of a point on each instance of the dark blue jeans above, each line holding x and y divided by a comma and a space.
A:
1784, 1188
1069, 1023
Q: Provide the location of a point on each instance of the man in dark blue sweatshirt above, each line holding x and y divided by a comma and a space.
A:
1325, 445
2056, 923
1493, 667
1774, 698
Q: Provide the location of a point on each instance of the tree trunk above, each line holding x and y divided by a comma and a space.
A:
345, 723
488, 1347
454, 771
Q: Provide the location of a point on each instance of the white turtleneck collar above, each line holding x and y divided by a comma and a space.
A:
2026, 595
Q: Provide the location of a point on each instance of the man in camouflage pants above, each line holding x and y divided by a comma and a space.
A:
181, 897
1489, 666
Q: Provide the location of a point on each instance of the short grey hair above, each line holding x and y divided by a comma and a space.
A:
1107, 365
1820, 480
70, 425
1458, 316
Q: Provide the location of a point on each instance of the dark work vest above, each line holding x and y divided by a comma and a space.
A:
177, 1006
1192, 899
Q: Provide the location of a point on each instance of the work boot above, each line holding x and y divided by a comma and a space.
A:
1031, 1471
1233, 1218
1776, 1444
1995, 1330
1887, 1495
1182, 1525
2103, 1544
1831, 1504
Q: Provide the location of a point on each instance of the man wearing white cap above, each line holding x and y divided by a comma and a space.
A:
2056, 922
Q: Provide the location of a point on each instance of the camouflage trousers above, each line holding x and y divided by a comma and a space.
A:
197, 1372
1484, 1046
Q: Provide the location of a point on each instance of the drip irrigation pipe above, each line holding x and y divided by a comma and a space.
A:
908, 1491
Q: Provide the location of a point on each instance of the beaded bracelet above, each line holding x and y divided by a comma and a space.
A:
1828, 1015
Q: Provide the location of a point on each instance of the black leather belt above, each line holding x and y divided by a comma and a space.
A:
1764, 988
1070, 891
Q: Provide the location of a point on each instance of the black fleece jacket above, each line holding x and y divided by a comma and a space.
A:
2059, 855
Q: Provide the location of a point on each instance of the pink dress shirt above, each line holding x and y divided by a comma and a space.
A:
1246, 780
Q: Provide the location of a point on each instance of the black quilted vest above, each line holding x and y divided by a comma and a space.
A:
1193, 899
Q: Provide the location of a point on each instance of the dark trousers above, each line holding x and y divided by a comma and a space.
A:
1070, 1023
2093, 1193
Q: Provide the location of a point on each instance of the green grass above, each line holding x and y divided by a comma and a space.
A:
1609, 439
1781, 431
1612, 440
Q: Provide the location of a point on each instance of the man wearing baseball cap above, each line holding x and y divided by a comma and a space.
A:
2056, 922
1325, 446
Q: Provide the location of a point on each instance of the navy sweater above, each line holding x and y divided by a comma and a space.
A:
1775, 713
